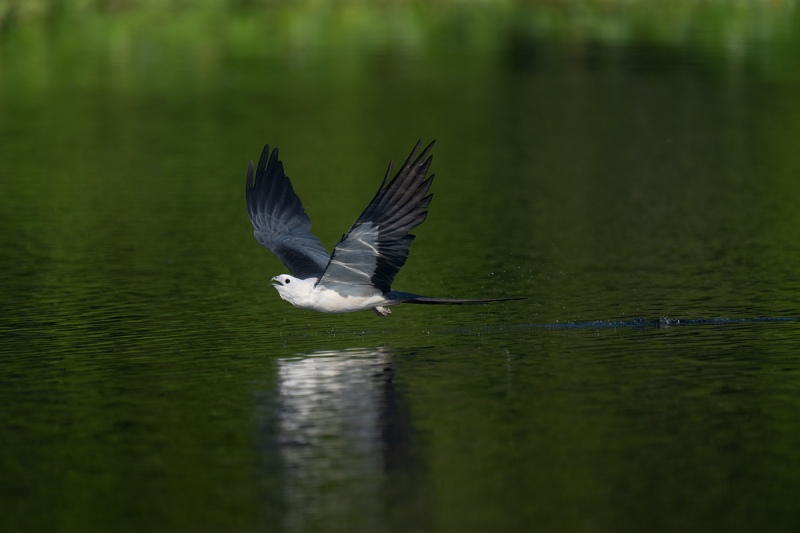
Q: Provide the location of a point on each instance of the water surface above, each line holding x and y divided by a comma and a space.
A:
152, 380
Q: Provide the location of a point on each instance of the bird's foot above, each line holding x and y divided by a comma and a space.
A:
382, 310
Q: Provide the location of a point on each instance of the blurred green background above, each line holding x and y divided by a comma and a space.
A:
606, 160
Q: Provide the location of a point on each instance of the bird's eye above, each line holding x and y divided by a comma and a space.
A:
287, 281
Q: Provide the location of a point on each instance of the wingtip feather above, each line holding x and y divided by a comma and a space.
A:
413, 154
388, 174
250, 171
262, 161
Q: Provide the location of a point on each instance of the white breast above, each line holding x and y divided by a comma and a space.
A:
305, 295
330, 301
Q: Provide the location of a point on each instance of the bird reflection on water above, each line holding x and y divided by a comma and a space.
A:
334, 433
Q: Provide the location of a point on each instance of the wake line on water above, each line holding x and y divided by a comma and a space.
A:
634, 323
661, 322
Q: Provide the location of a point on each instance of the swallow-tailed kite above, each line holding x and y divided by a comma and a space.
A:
358, 274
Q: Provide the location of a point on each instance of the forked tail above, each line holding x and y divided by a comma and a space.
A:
408, 298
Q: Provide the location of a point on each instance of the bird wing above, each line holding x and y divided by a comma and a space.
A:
279, 220
377, 245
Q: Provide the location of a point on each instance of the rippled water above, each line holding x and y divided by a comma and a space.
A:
150, 379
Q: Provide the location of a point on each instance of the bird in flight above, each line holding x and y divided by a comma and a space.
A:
358, 274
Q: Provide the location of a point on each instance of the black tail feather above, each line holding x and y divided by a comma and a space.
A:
408, 298
455, 301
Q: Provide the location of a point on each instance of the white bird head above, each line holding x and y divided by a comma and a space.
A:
284, 282
292, 289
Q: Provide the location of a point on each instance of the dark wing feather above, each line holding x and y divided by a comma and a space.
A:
377, 245
279, 220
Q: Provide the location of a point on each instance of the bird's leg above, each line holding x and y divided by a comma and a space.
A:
382, 310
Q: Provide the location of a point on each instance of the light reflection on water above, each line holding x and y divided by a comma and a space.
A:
336, 429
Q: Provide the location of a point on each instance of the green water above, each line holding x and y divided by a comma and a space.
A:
151, 380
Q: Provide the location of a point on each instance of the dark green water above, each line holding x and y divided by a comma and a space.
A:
151, 380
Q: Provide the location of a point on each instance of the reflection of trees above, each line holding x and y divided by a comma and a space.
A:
335, 434
304, 31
